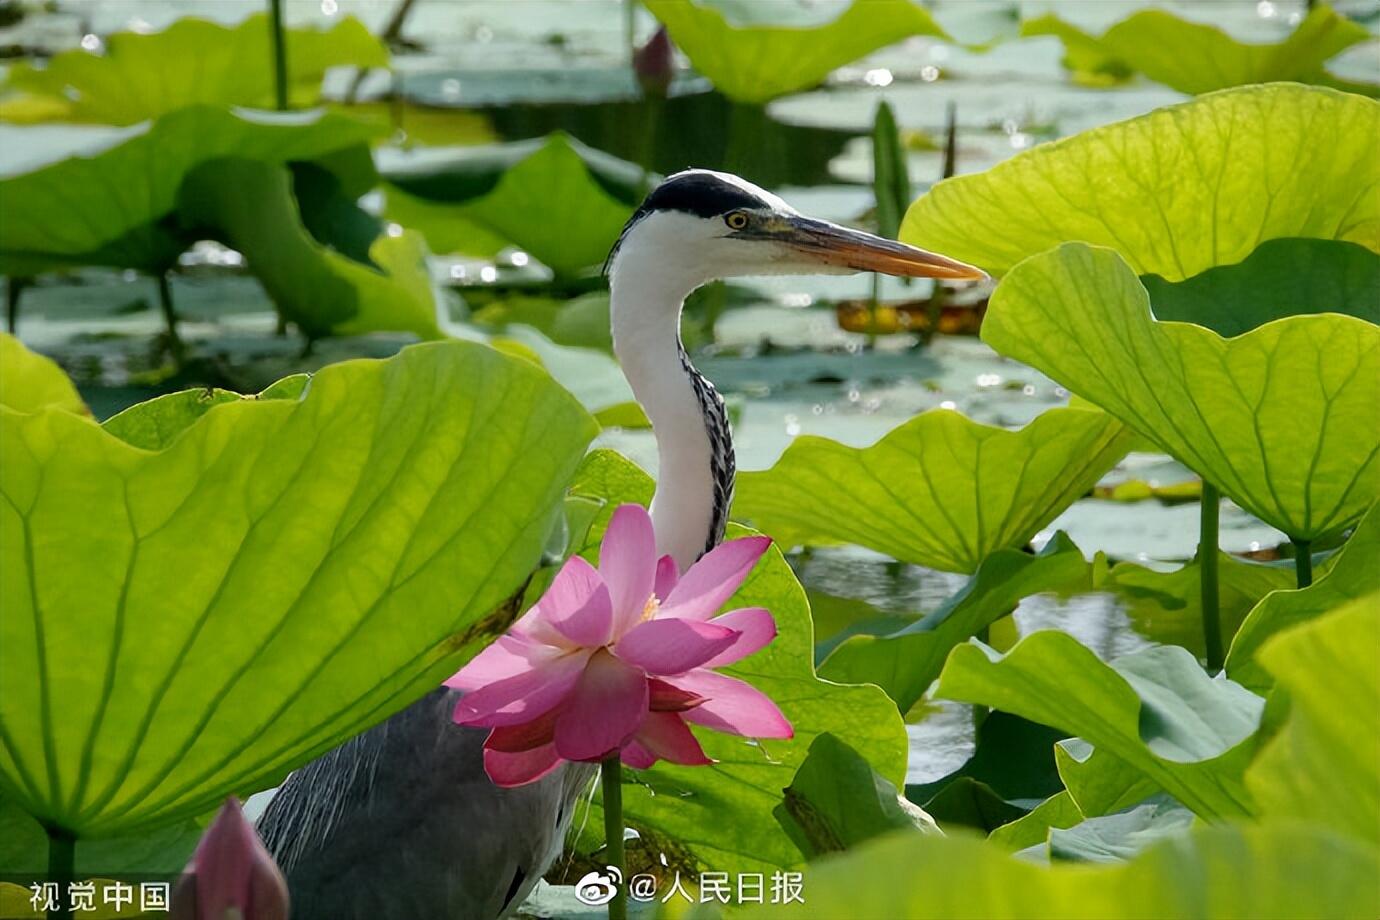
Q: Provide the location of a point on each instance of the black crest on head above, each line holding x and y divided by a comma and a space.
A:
698, 192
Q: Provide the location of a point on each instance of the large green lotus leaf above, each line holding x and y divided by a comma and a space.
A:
1099, 782
193, 62
1324, 765
155, 423
1285, 277
722, 814
1281, 419
836, 801
30, 382
756, 62
556, 202
1154, 709
940, 490
1167, 608
285, 573
125, 194
250, 206
1285, 871
1193, 57
1175, 191
1354, 574
906, 662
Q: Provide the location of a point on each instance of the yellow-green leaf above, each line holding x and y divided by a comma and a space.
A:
1175, 191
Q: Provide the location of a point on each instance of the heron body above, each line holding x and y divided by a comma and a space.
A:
402, 821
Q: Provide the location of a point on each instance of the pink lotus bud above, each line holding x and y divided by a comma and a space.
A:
231, 875
653, 64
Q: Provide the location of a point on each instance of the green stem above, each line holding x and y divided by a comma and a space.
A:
62, 860
13, 288
611, 776
1303, 562
165, 302
280, 78
1207, 570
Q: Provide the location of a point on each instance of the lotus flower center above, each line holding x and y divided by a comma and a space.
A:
650, 608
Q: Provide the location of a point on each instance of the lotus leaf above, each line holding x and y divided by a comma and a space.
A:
906, 662
556, 199
1033, 829
30, 382
1116, 837
126, 194
723, 813
757, 62
156, 423
1175, 191
1280, 418
250, 206
1154, 709
1285, 277
939, 490
1195, 58
1353, 575
1099, 782
193, 62
1287, 871
1324, 765
837, 801
283, 574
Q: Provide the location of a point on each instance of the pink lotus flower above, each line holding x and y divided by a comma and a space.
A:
619, 659
231, 874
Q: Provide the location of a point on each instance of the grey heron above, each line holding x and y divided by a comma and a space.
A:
401, 821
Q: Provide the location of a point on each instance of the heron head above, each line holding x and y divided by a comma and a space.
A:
699, 225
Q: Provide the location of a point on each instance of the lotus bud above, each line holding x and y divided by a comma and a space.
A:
653, 64
231, 875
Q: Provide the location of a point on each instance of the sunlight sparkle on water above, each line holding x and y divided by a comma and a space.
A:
91, 43
519, 259
878, 77
1265, 9
948, 404
329, 7
929, 73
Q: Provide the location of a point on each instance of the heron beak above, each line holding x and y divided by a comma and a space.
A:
830, 244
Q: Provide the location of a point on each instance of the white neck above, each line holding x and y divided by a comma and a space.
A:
646, 297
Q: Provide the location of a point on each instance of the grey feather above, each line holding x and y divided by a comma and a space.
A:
402, 822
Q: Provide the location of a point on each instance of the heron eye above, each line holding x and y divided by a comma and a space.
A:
736, 220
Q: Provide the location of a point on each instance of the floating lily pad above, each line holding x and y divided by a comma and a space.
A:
1193, 57
238, 615
758, 61
1353, 575
1176, 191
1324, 765
939, 490
1281, 419
1154, 709
139, 76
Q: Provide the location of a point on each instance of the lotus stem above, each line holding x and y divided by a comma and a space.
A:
611, 778
280, 77
165, 302
62, 861
1207, 570
1303, 562
13, 288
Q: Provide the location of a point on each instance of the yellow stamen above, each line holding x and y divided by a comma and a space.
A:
651, 608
